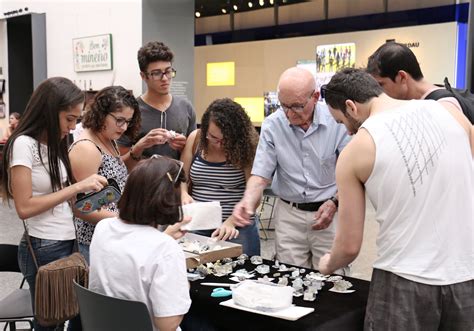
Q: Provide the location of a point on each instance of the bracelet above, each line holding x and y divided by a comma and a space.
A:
135, 158
336, 201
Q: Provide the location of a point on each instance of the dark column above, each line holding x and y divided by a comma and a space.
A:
26, 58
172, 22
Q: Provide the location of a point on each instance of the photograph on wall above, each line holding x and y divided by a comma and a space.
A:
331, 58
92, 53
270, 103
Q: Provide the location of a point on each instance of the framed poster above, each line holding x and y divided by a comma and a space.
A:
92, 53
331, 58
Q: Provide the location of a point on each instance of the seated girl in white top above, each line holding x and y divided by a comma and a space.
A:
131, 259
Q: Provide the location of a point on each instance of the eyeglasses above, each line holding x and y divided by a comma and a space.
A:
296, 108
178, 162
213, 139
119, 121
158, 74
325, 90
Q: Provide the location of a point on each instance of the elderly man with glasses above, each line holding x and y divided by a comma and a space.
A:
166, 119
298, 147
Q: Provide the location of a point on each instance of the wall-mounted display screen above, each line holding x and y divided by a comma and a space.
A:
220, 74
253, 106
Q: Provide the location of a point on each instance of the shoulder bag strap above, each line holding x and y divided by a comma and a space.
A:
30, 246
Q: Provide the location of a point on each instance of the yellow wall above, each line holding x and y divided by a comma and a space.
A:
259, 64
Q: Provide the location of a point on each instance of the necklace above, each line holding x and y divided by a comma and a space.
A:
112, 151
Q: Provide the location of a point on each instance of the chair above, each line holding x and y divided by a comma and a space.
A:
103, 313
268, 199
16, 306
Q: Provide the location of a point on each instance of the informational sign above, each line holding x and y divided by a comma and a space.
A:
93, 53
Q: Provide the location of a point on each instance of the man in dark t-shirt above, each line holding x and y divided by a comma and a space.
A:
166, 120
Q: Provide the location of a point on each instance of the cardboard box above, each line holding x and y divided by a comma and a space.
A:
217, 250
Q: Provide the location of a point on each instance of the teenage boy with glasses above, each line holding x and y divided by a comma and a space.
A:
166, 119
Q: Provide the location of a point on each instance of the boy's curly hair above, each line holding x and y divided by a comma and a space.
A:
152, 52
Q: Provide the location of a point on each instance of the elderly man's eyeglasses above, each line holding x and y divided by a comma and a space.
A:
296, 108
159, 74
119, 121
178, 163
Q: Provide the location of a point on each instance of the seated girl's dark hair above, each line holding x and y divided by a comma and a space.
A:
151, 195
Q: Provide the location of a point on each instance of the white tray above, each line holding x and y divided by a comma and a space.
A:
291, 313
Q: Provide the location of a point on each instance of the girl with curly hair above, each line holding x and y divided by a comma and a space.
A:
113, 112
218, 158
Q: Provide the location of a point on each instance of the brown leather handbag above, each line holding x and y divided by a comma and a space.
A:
55, 298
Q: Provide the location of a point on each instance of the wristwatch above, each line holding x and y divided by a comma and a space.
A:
335, 200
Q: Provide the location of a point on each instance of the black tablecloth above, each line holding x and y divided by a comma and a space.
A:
332, 311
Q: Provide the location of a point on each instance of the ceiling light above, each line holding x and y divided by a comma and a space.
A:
271, 2
235, 7
224, 11
250, 4
198, 14
261, 2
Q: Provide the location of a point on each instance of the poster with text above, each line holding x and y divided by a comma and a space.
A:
92, 53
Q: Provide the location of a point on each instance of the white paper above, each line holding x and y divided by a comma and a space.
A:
291, 313
204, 215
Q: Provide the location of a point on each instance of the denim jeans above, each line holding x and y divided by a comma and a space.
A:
248, 238
84, 250
46, 251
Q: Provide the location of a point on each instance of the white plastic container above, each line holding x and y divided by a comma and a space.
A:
260, 296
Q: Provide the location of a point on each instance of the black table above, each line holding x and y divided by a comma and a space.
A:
332, 311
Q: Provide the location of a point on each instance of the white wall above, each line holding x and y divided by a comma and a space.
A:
68, 19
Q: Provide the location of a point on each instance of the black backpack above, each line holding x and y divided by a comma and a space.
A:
464, 97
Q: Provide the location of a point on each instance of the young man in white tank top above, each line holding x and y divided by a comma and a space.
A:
414, 159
